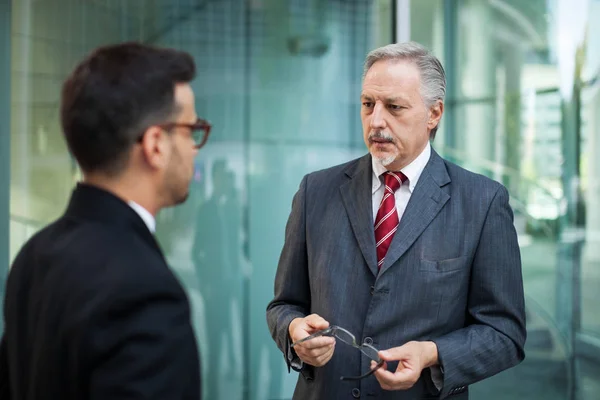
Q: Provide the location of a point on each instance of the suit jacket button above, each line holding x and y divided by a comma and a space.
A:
368, 340
372, 290
356, 393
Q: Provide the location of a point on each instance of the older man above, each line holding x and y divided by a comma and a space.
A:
401, 249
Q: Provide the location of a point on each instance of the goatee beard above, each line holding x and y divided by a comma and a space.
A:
385, 161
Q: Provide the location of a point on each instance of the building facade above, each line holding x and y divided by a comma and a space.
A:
280, 82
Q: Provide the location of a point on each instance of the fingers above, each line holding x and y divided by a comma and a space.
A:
410, 365
316, 351
402, 379
302, 327
324, 359
317, 343
316, 322
394, 354
317, 355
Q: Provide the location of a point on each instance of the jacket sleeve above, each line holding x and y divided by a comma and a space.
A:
494, 337
292, 291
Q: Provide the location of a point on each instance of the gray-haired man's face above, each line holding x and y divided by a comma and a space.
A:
396, 122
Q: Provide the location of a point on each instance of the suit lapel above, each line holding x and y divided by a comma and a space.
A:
425, 203
357, 198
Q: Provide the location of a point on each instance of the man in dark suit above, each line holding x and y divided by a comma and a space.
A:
404, 250
92, 310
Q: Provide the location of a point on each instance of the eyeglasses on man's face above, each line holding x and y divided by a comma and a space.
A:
200, 130
348, 338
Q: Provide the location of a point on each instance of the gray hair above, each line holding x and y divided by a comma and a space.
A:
433, 77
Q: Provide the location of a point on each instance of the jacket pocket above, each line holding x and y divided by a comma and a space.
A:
447, 265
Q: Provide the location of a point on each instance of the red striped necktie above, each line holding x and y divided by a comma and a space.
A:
386, 221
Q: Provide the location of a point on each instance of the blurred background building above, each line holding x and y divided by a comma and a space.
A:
280, 81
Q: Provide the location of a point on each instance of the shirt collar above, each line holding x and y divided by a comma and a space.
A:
412, 171
145, 215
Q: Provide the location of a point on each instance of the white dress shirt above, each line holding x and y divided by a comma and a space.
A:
412, 171
145, 215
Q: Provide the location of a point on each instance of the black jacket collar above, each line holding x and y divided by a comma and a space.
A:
94, 204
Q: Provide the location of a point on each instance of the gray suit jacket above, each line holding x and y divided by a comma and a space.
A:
451, 275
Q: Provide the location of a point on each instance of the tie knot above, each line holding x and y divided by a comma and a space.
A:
394, 180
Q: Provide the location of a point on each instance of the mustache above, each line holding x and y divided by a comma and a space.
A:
381, 135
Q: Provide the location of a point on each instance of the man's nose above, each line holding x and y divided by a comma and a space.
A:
377, 118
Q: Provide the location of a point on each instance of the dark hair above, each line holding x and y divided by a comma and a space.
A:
113, 95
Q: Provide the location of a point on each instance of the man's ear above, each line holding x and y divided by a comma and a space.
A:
435, 114
155, 147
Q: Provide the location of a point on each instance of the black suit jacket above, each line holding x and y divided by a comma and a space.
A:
92, 311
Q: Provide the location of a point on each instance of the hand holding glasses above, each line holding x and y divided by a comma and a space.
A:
350, 339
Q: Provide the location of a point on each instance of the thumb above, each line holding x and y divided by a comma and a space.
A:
393, 354
317, 322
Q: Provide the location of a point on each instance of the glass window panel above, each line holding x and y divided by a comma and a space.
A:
523, 109
280, 83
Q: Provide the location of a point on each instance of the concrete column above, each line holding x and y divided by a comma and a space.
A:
508, 141
21, 131
591, 100
592, 150
476, 85
5, 39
